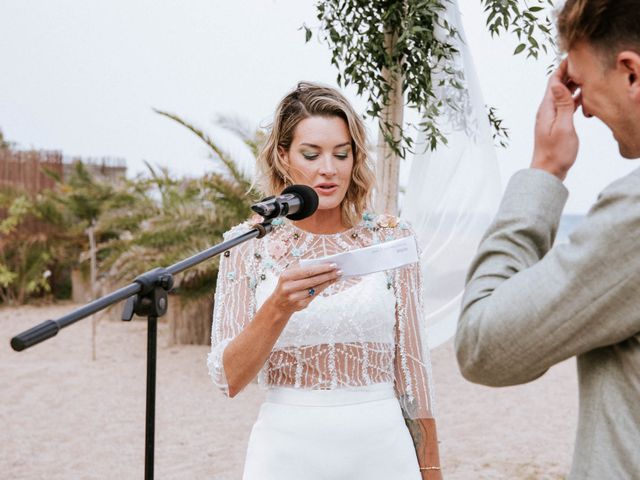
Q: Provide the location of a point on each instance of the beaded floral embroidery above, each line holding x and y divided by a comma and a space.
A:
358, 332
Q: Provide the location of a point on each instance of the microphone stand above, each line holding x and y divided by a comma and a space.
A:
146, 296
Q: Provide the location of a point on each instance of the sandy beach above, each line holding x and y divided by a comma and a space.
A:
66, 416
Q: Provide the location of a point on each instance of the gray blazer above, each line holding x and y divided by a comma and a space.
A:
528, 306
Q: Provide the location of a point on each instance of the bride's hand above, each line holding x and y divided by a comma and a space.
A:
298, 286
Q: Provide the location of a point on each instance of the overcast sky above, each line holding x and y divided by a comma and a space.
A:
82, 77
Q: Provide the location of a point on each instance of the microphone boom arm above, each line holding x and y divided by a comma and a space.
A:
50, 328
147, 295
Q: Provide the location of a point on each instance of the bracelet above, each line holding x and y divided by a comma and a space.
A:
429, 468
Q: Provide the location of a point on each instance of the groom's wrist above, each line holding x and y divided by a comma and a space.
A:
555, 170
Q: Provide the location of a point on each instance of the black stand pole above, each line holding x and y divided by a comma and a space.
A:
152, 302
146, 296
152, 330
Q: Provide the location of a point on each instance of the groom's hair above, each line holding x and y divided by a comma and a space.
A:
608, 26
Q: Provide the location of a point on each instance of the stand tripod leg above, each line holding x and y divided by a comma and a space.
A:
152, 331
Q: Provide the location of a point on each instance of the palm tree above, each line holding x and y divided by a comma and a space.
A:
76, 205
184, 216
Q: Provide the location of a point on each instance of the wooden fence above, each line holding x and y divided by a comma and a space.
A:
27, 170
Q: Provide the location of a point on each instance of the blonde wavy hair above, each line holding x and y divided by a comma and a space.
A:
309, 100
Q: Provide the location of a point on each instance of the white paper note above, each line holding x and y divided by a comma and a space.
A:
376, 258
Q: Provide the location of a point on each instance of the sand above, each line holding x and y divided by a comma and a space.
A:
66, 416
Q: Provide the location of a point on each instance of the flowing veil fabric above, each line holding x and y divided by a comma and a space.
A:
453, 191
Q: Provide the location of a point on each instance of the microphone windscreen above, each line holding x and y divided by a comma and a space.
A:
309, 201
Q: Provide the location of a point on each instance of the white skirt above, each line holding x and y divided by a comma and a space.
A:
350, 434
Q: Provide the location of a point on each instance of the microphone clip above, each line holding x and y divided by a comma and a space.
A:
274, 207
295, 202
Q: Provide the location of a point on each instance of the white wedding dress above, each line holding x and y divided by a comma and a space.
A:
344, 372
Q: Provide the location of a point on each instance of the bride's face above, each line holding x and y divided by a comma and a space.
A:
321, 156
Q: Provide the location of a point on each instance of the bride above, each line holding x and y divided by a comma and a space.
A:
345, 361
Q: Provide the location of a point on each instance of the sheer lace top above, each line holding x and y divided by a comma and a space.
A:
360, 331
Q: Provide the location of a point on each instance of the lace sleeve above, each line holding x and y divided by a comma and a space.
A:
234, 304
412, 363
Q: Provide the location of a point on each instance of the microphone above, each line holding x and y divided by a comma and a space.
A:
295, 202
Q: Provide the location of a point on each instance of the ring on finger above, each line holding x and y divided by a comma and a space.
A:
312, 292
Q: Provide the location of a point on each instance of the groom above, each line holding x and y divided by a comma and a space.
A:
527, 306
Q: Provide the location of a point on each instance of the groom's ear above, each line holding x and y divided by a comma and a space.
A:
629, 64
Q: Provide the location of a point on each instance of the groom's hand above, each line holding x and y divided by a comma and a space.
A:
556, 141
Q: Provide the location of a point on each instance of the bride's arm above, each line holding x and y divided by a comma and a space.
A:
425, 439
245, 355
413, 368
241, 337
